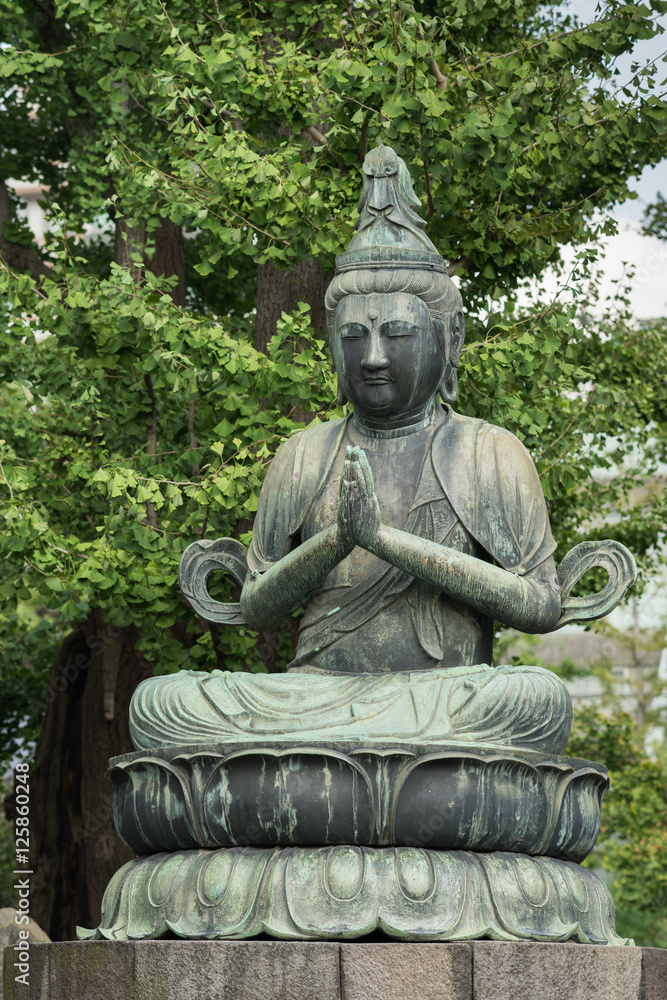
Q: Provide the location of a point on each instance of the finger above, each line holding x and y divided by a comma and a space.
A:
360, 481
364, 474
367, 472
348, 465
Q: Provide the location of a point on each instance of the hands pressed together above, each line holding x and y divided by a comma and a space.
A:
358, 511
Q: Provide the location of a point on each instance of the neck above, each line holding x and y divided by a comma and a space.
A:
406, 423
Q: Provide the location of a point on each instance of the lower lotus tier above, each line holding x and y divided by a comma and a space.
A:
449, 797
342, 893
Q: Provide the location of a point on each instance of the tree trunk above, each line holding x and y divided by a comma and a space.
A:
74, 847
169, 257
279, 290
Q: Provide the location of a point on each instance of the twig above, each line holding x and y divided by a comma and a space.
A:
151, 445
361, 41
315, 134
429, 193
191, 432
11, 491
552, 444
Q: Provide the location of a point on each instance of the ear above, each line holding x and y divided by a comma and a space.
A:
341, 399
451, 334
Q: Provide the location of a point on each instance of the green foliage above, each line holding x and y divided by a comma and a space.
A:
137, 426
28, 646
95, 520
655, 218
205, 120
633, 833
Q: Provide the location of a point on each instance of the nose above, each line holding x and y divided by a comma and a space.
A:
374, 357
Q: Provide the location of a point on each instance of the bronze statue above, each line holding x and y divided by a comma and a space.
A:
404, 530
458, 534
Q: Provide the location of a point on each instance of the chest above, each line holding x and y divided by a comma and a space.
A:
395, 474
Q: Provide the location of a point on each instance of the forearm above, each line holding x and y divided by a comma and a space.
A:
519, 602
269, 598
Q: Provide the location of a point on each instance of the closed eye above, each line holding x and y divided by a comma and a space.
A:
353, 331
398, 328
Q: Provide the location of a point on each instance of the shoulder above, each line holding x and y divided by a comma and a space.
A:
293, 481
315, 436
323, 434
493, 486
492, 450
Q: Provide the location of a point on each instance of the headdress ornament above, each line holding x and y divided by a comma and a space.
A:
389, 230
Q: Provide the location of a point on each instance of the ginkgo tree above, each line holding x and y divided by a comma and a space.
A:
201, 169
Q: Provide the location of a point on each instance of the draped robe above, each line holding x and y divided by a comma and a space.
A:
477, 492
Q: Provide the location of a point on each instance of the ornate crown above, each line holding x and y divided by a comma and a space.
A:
389, 230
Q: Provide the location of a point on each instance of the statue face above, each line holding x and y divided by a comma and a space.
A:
386, 354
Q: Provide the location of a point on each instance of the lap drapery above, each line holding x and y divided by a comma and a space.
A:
519, 706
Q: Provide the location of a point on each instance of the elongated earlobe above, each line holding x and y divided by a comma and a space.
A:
449, 385
454, 337
450, 331
341, 399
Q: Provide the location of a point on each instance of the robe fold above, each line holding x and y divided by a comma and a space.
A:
477, 492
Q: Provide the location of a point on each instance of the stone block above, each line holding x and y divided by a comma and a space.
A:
509, 971
96, 971
236, 970
406, 971
9, 929
302, 970
38, 976
654, 973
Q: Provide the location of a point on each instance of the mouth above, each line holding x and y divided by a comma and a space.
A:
377, 380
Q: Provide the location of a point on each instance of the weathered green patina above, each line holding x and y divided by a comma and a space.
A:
342, 893
446, 798
404, 531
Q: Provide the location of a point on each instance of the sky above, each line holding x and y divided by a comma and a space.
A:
648, 256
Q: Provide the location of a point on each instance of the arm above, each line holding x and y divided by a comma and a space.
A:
267, 599
530, 603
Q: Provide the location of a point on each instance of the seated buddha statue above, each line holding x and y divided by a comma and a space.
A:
404, 530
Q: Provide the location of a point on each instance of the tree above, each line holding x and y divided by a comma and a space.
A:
214, 150
634, 821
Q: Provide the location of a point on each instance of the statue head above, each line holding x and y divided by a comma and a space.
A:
394, 317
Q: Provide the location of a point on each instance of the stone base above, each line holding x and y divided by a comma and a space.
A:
345, 893
280, 970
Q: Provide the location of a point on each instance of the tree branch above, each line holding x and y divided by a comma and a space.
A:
151, 444
363, 138
441, 81
309, 131
429, 192
191, 433
463, 262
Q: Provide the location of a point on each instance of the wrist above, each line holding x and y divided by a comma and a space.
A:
380, 540
343, 545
